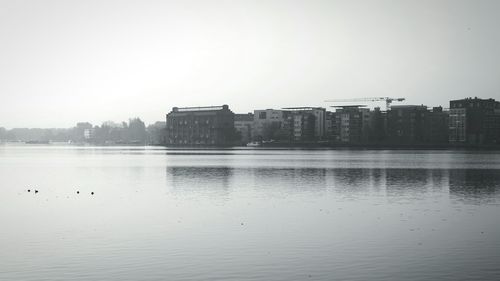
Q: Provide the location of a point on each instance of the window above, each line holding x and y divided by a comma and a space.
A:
262, 115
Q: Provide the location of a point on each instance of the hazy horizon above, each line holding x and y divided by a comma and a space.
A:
65, 62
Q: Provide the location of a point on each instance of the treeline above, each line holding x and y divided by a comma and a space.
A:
132, 132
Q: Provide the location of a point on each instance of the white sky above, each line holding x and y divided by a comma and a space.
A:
67, 61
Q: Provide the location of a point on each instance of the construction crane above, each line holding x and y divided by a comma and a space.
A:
387, 100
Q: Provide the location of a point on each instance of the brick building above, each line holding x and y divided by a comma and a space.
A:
211, 125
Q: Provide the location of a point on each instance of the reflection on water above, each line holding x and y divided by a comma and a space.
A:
199, 176
407, 178
245, 214
206, 180
473, 184
288, 179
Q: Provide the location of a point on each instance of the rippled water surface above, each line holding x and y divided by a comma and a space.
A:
248, 214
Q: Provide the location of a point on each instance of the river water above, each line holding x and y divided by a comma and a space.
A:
247, 214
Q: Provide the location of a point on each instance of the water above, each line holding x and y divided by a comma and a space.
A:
248, 214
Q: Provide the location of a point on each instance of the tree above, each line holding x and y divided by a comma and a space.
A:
136, 131
3, 133
269, 130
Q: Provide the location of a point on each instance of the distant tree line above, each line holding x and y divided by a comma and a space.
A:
132, 132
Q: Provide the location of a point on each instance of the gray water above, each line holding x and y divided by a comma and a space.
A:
248, 214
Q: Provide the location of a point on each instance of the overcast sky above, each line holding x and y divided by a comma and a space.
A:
62, 62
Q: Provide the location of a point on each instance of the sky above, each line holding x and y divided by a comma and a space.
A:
63, 62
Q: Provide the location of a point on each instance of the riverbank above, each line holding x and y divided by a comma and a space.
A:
383, 146
277, 145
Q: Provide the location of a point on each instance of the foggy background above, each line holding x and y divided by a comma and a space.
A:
67, 61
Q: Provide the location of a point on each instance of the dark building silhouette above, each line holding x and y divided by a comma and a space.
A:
406, 124
492, 128
354, 124
436, 129
474, 121
211, 125
378, 126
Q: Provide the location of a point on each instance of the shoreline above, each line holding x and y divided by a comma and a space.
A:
284, 146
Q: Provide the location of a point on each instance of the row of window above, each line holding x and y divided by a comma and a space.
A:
473, 104
185, 122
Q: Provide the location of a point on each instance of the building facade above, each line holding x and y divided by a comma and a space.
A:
310, 117
474, 121
243, 123
211, 125
331, 127
437, 126
84, 132
303, 127
270, 124
406, 124
378, 126
350, 124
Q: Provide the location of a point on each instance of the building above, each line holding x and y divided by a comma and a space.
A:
366, 124
437, 126
378, 126
243, 123
303, 126
271, 124
88, 134
211, 125
332, 130
492, 127
350, 123
307, 119
84, 132
474, 121
406, 124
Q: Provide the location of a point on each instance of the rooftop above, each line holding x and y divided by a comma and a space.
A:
199, 108
408, 106
349, 106
302, 108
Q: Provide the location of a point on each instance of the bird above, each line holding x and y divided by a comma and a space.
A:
78, 192
29, 190
36, 191
92, 193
